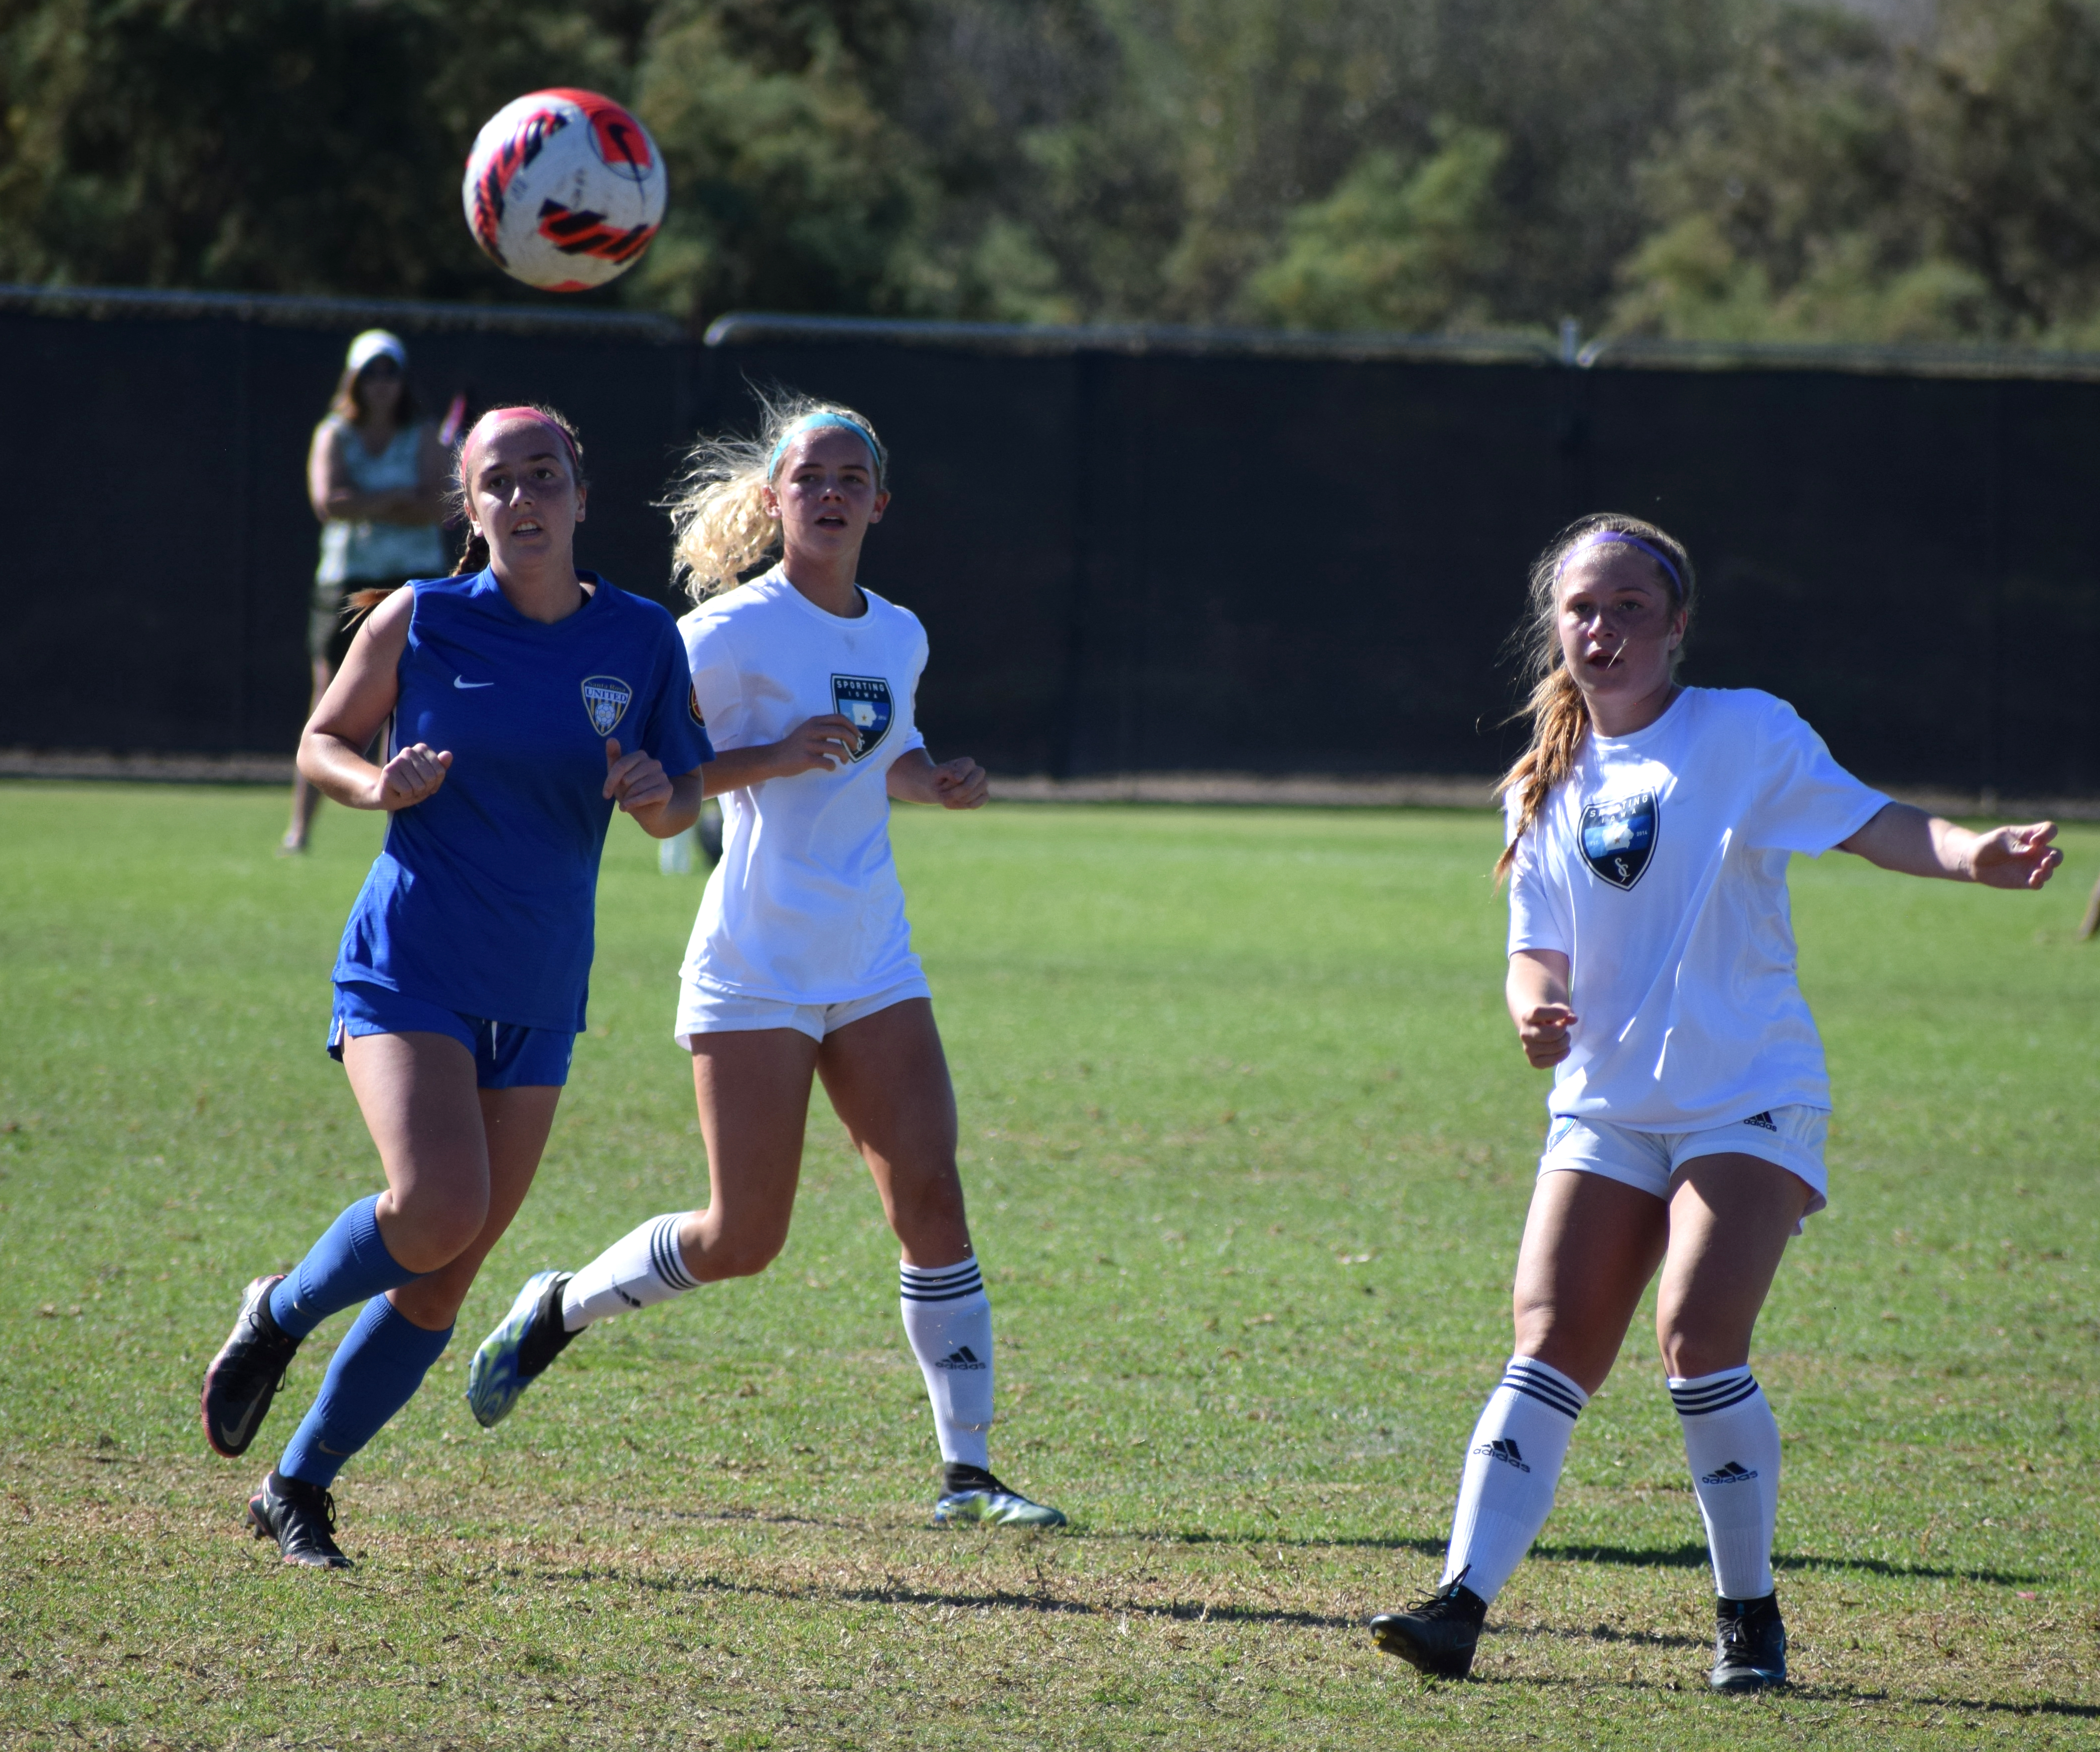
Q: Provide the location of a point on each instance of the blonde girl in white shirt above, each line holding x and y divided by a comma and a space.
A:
801, 963
1652, 966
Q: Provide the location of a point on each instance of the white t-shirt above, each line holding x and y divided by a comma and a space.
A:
1659, 868
804, 906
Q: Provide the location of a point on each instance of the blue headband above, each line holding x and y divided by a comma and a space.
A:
1598, 538
810, 422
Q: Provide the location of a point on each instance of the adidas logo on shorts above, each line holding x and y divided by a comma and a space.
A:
1762, 1122
1504, 1449
1733, 1473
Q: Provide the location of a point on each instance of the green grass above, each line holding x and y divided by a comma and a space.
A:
1247, 1144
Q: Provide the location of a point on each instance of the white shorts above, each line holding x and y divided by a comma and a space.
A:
709, 1010
1790, 1136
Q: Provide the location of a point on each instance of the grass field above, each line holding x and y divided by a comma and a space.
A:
1247, 1144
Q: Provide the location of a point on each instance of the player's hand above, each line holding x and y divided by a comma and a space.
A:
959, 784
2015, 857
1543, 1030
817, 745
636, 781
412, 775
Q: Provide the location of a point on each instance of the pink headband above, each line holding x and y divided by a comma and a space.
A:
1598, 538
575, 462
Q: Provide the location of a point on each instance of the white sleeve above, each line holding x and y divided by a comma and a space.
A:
1805, 801
917, 738
1538, 908
717, 681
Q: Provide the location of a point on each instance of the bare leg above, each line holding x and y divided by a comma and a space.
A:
1590, 1244
753, 1092
516, 1122
888, 1080
305, 798
1730, 1218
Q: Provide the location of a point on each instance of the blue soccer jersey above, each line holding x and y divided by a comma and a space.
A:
482, 900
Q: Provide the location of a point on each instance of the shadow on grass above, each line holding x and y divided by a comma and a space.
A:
1797, 1693
1006, 1599
1692, 1556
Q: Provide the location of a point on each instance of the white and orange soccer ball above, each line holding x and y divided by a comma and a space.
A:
564, 190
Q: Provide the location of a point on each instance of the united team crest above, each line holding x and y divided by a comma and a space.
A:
865, 700
1618, 837
606, 700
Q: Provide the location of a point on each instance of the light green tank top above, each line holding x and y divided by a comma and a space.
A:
353, 552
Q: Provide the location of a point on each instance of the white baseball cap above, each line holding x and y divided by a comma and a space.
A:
371, 344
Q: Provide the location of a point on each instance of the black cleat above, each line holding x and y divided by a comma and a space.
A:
1749, 1644
300, 1517
1439, 1635
245, 1375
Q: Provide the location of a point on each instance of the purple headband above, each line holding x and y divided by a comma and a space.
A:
1598, 538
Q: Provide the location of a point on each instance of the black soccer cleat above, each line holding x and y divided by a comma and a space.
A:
1438, 1636
245, 1375
1749, 1644
300, 1518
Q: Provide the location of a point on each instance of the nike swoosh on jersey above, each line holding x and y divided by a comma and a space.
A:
460, 680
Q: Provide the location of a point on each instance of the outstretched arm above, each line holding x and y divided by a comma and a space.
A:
1907, 840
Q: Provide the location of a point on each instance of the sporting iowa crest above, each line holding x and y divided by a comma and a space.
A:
606, 700
1618, 838
864, 700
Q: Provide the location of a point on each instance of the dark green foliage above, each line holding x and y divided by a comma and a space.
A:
1715, 168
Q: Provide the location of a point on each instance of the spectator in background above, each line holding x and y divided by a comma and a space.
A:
376, 476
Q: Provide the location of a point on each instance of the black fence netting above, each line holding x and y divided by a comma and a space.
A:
1133, 551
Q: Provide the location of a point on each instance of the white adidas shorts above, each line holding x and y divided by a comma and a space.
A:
1790, 1136
709, 1010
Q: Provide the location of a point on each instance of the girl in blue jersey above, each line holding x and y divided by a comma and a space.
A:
527, 700
801, 965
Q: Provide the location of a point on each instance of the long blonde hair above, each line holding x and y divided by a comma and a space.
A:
719, 527
1559, 720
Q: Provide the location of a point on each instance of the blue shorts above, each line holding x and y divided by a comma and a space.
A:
505, 1055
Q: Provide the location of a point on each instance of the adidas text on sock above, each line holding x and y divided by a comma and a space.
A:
947, 1318
1732, 1443
1513, 1463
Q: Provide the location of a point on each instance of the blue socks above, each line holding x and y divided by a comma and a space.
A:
375, 1371
348, 1264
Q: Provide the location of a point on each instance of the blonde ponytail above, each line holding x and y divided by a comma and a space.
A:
1559, 722
720, 527
1560, 717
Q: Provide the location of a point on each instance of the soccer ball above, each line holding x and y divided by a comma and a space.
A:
564, 190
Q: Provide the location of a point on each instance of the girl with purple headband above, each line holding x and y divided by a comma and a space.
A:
801, 964
1652, 967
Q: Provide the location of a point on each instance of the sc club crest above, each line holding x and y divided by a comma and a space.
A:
1618, 837
606, 700
864, 700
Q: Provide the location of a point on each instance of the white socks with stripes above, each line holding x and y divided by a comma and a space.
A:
639, 1270
948, 1317
1512, 1465
1731, 1439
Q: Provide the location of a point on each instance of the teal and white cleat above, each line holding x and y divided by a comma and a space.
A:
511, 1357
971, 1494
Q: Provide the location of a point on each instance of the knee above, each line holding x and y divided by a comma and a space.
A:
428, 1233
738, 1251
1692, 1347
